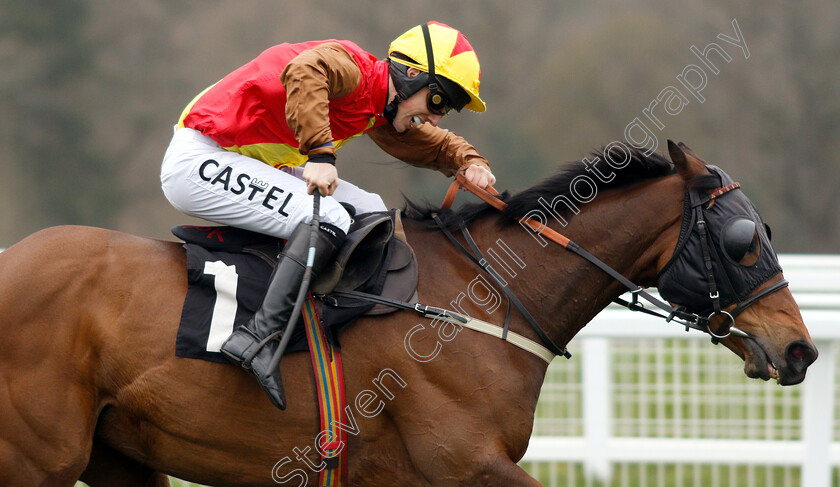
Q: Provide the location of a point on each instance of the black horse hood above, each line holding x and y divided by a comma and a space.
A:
737, 253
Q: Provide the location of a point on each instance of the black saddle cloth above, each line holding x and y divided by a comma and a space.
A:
228, 271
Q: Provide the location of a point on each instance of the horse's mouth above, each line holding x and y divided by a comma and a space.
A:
757, 363
764, 365
772, 372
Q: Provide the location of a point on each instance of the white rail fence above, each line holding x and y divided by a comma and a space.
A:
645, 403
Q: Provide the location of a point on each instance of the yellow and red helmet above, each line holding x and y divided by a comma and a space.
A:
454, 58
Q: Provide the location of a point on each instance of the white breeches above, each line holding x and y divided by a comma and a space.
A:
204, 180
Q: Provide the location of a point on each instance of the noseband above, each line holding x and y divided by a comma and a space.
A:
679, 314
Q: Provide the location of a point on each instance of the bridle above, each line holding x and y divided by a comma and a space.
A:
670, 313
695, 217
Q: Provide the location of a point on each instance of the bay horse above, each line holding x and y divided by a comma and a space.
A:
91, 389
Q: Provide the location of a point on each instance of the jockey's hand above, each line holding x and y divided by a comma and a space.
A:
321, 175
480, 176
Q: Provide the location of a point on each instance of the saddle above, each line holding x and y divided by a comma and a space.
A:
375, 258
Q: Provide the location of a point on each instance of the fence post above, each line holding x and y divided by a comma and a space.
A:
818, 417
597, 407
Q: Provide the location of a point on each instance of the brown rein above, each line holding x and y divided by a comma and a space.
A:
489, 196
678, 314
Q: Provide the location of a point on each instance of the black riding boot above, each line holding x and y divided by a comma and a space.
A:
243, 346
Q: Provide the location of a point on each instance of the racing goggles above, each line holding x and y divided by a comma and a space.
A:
439, 102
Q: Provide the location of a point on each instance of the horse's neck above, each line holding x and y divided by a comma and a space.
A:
562, 290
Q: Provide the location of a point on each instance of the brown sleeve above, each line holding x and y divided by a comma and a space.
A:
311, 79
428, 146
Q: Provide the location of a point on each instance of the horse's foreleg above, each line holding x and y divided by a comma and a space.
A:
42, 446
46, 422
109, 467
503, 473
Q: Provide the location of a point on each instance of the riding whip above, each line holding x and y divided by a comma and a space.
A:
304, 285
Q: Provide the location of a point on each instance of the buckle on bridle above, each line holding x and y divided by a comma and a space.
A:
635, 304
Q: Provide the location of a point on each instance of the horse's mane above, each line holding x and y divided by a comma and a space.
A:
641, 167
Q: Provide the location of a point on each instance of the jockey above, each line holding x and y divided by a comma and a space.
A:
250, 150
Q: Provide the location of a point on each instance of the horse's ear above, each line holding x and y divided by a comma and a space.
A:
690, 152
688, 164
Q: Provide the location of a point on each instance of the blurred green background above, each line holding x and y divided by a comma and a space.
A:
90, 89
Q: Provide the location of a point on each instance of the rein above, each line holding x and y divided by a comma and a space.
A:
676, 314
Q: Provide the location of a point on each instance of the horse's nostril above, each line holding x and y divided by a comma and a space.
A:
801, 352
798, 353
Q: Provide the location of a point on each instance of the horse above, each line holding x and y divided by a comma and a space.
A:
91, 389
